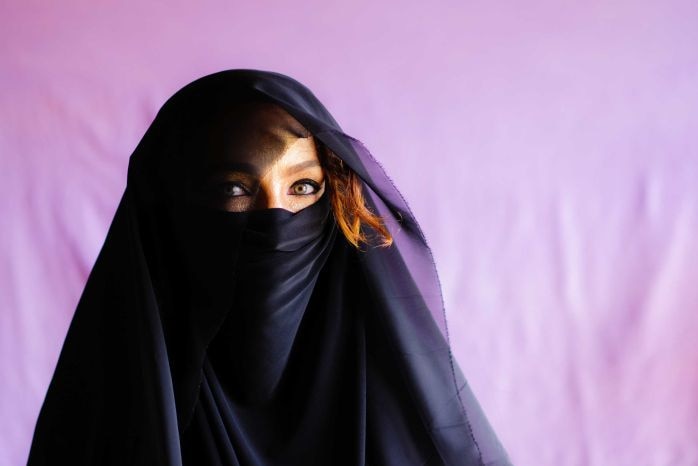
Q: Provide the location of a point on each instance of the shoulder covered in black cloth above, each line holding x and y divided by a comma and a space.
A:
259, 337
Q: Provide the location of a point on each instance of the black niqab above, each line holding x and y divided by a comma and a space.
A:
259, 337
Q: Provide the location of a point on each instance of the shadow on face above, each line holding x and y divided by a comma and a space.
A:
257, 156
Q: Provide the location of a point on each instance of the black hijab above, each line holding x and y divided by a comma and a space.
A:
261, 337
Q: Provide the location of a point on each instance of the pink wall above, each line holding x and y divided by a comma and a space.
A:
548, 148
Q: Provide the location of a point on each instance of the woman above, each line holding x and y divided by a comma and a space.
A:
264, 296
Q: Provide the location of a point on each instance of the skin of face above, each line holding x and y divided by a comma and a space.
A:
264, 160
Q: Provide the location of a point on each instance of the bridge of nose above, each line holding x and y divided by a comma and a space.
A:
269, 196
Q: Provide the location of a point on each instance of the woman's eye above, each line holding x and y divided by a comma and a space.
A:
305, 187
233, 190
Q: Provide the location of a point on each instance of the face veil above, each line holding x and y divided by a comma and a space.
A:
259, 337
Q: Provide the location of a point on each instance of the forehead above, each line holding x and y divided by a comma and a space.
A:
258, 134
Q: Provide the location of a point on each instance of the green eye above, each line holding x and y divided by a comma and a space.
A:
232, 190
305, 187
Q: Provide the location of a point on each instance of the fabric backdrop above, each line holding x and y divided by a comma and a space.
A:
553, 141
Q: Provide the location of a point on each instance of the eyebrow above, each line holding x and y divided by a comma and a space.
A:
243, 167
253, 169
301, 166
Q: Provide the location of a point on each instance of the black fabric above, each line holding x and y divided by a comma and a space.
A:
260, 337
278, 268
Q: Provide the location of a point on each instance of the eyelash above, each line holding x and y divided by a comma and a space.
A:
315, 185
223, 186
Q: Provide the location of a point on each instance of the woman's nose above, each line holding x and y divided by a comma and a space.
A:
269, 199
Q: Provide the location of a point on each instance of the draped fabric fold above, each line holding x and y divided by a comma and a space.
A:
260, 337
281, 258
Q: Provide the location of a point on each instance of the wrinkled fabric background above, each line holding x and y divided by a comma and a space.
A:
548, 149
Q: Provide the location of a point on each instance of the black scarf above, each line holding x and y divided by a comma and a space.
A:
257, 338
279, 264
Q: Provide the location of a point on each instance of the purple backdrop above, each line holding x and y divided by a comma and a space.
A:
548, 148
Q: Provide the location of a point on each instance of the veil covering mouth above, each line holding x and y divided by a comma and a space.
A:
259, 337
